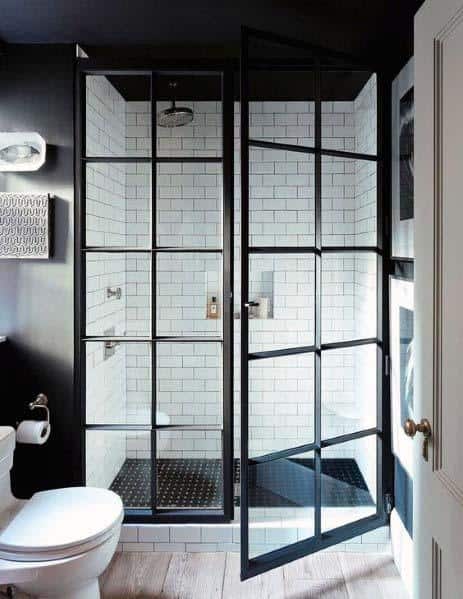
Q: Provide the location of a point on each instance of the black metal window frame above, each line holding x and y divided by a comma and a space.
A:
252, 566
86, 67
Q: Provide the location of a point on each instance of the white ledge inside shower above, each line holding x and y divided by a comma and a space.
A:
189, 375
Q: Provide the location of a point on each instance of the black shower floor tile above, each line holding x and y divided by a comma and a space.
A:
197, 483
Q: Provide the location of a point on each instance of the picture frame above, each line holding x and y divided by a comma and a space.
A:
402, 175
402, 366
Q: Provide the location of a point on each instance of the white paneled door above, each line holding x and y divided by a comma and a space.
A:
438, 498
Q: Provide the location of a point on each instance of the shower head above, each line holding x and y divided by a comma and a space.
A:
175, 116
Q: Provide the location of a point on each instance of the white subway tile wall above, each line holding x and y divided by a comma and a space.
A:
189, 383
189, 205
189, 214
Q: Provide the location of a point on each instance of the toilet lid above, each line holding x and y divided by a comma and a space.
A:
60, 519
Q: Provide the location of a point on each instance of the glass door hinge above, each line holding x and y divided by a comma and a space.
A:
388, 503
387, 365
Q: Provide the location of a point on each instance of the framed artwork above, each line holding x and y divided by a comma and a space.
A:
25, 226
402, 366
403, 112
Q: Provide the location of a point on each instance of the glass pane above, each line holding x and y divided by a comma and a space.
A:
194, 126
120, 461
118, 115
348, 482
281, 107
281, 198
284, 287
118, 383
281, 403
281, 502
189, 294
348, 296
348, 390
348, 202
189, 204
118, 204
189, 469
349, 113
189, 383
118, 294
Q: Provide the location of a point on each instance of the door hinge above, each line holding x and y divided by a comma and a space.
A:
388, 503
387, 365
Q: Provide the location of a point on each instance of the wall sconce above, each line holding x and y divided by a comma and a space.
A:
21, 151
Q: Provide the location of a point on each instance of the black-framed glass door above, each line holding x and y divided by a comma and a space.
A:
312, 434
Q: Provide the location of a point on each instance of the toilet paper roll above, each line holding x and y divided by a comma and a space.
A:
35, 432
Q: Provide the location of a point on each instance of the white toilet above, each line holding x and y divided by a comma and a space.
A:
59, 542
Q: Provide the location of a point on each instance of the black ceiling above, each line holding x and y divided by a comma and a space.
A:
379, 29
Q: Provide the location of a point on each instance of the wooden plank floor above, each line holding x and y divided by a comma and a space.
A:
216, 576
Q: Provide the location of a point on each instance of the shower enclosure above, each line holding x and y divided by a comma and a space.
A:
229, 280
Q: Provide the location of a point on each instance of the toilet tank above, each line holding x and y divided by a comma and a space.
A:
7, 445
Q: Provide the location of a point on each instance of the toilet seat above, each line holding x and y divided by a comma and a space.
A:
61, 523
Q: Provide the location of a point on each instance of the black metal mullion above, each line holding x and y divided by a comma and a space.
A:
168, 339
276, 353
80, 311
318, 307
228, 115
287, 147
369, 432
283, 249
350, 343
153, 461
149, 159
284, 453
244, 466
189, 159
187, 250
385, 460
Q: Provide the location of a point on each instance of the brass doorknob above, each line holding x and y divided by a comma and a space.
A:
424, 426
411, 427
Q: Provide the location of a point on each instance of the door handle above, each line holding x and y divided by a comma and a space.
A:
424, 427
251, 305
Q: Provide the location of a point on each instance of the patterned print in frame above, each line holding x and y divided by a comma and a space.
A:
25, 225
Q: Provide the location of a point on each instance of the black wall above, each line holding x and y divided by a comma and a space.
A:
36, 297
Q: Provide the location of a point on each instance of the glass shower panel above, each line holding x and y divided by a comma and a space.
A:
348, 482
118, 115
281, 403
281, 502
118, 294
281, 107
189, 468
349, 299
118, 204
349, 111
349, 202
118, 382
189, 205
197, 110
189, 294
348, 388
281, 198
283, 287
120, 461
189, 383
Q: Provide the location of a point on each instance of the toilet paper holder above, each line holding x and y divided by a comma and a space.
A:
41, 401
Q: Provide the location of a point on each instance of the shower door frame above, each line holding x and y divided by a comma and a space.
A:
323, 60
224, 70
